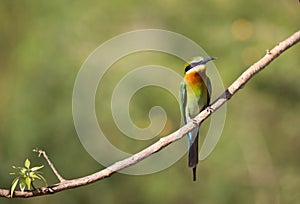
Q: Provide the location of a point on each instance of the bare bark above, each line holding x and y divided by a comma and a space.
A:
43, 153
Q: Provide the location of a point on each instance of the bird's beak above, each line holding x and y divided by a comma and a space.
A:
205, 60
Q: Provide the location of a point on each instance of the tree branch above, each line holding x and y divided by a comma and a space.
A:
43, 153
163, 142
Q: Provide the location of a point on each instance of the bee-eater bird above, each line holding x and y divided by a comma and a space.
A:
195, 91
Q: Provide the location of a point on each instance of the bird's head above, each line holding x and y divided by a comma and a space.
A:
197, 64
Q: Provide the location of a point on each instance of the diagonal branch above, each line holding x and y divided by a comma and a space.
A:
163, 142
43, 153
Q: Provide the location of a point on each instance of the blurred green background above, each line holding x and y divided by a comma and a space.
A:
44, 43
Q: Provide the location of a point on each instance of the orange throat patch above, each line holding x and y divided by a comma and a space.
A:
193, 79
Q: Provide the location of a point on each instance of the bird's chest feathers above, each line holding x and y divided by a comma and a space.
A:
196, 93
195, 84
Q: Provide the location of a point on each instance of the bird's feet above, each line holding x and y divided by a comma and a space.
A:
195, 122
210, 109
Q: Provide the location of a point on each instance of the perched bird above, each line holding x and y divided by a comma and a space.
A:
195, 91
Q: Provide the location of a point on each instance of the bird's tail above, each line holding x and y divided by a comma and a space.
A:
193, 150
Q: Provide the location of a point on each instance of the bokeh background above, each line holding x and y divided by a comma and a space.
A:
44, 43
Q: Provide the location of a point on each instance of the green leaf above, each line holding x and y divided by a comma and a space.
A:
16, 173
28, 182
17, 167
33, 176
22, 185
25, 176
23, 170
27, 163
13, 186
36, 168
42, 178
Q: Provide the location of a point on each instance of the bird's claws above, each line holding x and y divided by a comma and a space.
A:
195, 122
210, 109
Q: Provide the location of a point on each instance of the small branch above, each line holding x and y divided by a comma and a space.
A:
163, 142
43, 153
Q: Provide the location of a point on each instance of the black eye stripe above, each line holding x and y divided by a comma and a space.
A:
202, 61
187, 68
190, 66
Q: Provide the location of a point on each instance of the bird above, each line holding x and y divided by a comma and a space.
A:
194, 94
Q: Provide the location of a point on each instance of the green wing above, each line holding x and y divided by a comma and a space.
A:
182, 98
209, 89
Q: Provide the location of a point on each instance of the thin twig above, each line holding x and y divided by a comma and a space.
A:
43, 153
163, 142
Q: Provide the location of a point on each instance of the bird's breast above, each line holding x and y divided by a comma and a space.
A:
196, 93
194, 79
194, 83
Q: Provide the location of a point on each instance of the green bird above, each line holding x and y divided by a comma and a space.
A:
195, 91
